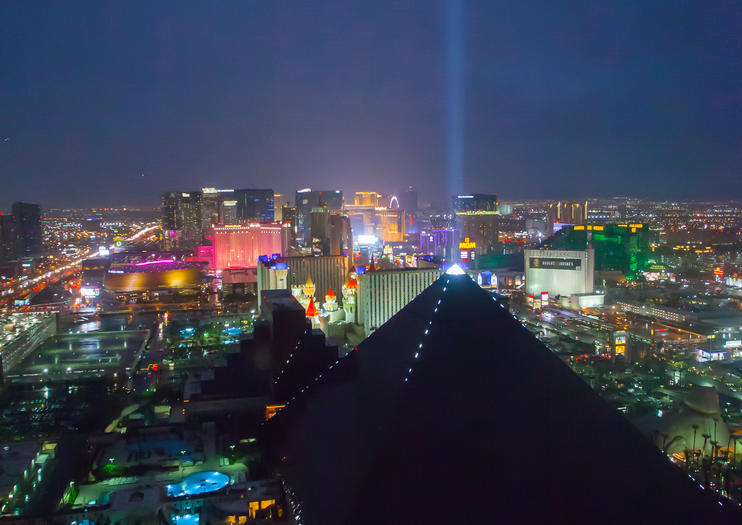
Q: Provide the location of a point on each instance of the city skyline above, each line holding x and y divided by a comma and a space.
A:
578, 100
324, 262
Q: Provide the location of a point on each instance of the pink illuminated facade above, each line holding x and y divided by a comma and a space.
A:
239, 246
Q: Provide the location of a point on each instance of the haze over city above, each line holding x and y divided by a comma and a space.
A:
568, 100
370, 262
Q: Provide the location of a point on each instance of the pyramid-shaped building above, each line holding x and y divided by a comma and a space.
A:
452, 412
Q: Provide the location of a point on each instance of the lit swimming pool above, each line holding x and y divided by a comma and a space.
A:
187, 519
198, 483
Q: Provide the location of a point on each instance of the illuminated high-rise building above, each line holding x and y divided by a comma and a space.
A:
239, 246
441, 243
475, 202
279, 201
331, 232
477, 216
181, 217
319, 220
390, 225
482, 228
228, 212
408, 200
306, 199
366, 198
288, 216
209, 209
251, 204
340, 235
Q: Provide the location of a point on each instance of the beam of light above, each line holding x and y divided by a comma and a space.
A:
455, 94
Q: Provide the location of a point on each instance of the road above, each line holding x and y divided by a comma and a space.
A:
150, 370
16, 288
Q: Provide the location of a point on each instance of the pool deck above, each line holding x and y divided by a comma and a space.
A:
96, 491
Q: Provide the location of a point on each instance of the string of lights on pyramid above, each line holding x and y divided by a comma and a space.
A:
453, 270
311, 311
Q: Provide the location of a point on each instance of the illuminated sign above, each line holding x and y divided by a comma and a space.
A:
710, 355
367, 239
544, 298
467, 244
90, 291
549, 263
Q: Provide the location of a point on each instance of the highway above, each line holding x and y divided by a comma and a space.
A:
17, 288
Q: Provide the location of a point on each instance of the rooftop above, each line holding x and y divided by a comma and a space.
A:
280, 300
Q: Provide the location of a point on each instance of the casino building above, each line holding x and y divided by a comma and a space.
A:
559, 272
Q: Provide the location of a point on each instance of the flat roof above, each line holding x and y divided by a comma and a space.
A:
280, 300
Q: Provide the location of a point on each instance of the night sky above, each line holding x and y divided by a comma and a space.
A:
557, 99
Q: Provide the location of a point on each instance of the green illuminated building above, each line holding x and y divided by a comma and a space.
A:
623, 247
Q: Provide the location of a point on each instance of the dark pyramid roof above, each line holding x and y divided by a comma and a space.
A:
490, 427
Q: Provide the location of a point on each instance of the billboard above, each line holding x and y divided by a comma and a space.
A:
552, 263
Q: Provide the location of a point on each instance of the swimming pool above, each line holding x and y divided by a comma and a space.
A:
187, 519
198, 483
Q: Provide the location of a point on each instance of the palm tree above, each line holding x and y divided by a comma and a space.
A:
705, 464
705, 437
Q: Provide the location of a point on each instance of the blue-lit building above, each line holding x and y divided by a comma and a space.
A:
441, 243
253, 204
